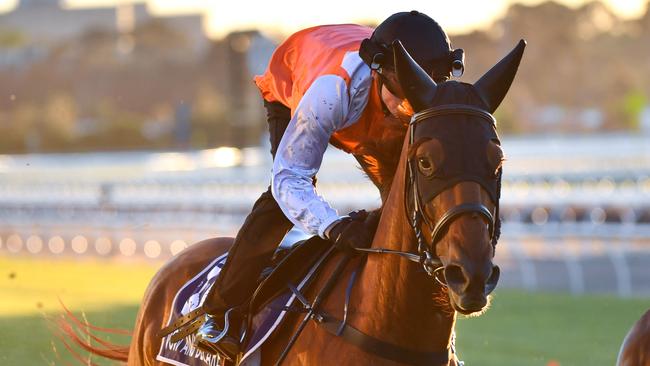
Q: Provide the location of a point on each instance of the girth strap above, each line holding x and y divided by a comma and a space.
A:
383, 349
181, 321
187, 329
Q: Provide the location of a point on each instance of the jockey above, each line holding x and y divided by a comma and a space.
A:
327, 84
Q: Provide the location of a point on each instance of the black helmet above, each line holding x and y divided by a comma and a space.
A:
422, 37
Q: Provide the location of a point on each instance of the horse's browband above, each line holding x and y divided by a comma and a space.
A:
447, 109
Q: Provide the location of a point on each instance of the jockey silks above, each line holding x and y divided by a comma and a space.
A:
319, 51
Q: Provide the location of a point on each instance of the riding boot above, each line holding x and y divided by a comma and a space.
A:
220, 334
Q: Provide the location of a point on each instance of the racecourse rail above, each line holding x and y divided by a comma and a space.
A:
576, 210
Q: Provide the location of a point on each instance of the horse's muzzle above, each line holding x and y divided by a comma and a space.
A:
470, 293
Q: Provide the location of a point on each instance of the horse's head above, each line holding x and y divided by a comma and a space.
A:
454, 175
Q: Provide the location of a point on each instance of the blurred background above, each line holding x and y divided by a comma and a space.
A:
130, 130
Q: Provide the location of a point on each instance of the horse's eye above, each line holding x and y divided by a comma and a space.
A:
425, 166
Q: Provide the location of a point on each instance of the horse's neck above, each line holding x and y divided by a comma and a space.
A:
397, 300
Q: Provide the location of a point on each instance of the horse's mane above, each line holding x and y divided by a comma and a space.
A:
380, 163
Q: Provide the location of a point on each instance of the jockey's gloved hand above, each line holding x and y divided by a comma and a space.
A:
355, 231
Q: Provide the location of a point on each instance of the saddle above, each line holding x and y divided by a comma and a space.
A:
289, 265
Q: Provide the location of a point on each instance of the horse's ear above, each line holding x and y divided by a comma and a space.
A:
494, 85
419, 89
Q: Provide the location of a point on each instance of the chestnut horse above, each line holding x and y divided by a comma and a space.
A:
431, 257
635, 350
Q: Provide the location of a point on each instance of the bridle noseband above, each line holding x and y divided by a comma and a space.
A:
426, 254
430, 261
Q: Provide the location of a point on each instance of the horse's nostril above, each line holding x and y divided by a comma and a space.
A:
454, 275
492, 281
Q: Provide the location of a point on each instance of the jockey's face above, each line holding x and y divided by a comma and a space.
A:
393, 97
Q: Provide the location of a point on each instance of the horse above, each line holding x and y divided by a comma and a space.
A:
635, 350
431, 257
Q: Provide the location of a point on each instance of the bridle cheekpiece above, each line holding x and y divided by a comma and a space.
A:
426, 254
428, 258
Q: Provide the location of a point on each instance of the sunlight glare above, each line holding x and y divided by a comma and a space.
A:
283, 17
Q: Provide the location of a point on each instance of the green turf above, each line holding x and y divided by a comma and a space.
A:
548, 329
107, 293
31, 286
28, 340
519, 329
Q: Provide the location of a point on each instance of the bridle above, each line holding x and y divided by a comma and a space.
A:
426, 254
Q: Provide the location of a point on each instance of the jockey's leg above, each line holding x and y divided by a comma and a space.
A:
259, 236
254, 245
251, 252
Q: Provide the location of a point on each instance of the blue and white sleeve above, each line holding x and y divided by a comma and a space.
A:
321, 112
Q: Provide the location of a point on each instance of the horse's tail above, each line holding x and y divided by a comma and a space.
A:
72, 330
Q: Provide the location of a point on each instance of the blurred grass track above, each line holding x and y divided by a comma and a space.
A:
520, 328
108, 292
30, 286
524, 328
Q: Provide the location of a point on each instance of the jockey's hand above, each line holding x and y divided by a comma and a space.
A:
355, 231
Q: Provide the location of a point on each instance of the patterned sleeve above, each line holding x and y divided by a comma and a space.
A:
322, 111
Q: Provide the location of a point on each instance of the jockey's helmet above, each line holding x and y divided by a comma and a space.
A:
422, 37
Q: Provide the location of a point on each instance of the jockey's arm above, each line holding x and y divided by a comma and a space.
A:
323, 110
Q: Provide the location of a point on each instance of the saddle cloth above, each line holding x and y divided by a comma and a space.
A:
192, 295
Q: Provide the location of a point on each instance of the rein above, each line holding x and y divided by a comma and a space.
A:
368, 343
